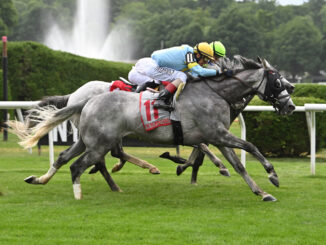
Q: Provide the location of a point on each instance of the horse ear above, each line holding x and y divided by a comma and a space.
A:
259, 60
264, 63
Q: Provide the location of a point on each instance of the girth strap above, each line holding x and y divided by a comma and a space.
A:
177, 132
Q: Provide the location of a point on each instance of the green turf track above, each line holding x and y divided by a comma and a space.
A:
160, 209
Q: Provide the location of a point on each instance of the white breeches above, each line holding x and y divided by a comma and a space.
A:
147, 70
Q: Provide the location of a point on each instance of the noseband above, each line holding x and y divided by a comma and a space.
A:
274, 87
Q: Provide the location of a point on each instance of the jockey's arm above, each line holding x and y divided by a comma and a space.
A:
200, 71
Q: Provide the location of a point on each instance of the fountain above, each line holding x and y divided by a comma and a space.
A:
90, 35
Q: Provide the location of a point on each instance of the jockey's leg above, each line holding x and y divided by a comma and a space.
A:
143, 87
164, 96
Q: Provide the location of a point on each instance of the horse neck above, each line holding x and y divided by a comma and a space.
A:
236, 88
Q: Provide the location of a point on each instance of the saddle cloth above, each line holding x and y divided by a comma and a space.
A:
151, 117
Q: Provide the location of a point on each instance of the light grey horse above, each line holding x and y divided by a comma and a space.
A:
85, 92
205, 112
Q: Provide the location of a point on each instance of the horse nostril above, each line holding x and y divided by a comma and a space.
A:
292, 107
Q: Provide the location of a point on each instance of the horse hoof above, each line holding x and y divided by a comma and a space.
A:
269, 198
194, 183
225, 172
179, 170
165, 155
31, 180
154, 171
115, 168
274, 180
117, 189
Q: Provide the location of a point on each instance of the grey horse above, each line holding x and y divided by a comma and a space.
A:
85, 92
205, 112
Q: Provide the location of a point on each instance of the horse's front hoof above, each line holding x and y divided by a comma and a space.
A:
31, 180
269, 198
115, 168
154, 171
274, 180
179, 170
116, 189
225, 172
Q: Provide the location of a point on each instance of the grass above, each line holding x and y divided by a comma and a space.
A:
160, 209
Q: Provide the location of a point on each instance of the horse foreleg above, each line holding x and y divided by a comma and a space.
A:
228, 140
230, 155
64, 157
175, 159
197, 163
217, 162
190, 162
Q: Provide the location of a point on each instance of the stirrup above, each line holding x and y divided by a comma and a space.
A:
163, 106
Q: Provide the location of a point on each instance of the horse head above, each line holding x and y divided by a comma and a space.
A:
277, 90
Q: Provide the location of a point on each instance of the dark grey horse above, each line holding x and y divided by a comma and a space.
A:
205, 112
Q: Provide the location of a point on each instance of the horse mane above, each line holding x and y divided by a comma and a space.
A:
238, 63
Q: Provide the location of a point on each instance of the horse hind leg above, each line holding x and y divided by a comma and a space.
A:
101, 166
217, 162
230, 155
75, 150
81, 164
197, 163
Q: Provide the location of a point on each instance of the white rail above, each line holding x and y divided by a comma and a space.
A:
309, 109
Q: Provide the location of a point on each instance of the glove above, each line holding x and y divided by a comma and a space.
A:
228, 73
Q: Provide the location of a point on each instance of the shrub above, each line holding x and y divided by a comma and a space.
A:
310, 90
36, 71
282, 136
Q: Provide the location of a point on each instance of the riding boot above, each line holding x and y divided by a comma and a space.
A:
141, 88
144, 86
163, 99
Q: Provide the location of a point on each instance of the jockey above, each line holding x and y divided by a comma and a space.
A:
170, 65
218, 48
219, 51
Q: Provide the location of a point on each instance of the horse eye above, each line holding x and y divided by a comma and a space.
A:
278, 83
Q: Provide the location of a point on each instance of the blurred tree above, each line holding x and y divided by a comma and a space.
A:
322, 15
8, 17
298, 46
314, 7
173, 26
35, 17
215, 7
238, 28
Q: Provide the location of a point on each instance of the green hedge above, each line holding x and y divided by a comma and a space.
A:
284, 136
310, 90
35, 71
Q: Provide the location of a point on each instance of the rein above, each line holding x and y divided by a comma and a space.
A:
254, 91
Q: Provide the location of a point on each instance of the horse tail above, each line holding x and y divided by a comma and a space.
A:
47, 118
57, 100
